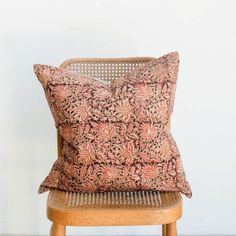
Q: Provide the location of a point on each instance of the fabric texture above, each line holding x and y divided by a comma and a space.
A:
116, 135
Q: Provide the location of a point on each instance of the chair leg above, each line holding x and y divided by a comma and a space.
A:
171, 229
57, 230
164, 230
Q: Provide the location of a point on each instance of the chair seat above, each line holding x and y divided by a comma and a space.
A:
114, 208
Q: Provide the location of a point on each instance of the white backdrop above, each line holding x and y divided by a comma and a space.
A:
203, 121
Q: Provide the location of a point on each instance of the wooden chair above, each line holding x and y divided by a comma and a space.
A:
111, 209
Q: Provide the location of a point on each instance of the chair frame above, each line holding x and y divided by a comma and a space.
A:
63, 211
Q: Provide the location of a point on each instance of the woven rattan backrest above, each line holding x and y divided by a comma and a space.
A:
104, 68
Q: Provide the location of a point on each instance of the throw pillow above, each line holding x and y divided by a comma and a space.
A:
116, 135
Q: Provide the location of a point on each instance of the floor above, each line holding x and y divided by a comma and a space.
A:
115, 235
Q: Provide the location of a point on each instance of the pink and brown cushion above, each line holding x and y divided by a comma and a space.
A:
116, 135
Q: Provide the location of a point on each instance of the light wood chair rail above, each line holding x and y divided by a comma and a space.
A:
111, 208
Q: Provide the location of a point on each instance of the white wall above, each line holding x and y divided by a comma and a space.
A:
203, 122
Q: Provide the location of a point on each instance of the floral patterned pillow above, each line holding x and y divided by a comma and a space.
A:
116, 135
